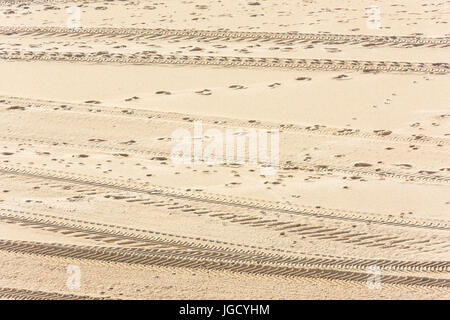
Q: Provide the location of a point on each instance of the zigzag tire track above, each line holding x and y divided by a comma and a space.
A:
114, 255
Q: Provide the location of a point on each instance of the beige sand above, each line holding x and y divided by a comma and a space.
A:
87, 178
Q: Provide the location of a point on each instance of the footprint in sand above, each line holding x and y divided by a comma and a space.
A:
204, 92
96, 140
382, 132
237, 87
403, 165
16, 108
159, 158
130, 142
342, 77
274, 85
362, 164
303, 79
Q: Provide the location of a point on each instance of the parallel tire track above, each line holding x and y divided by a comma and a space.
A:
381, 135
337, 233
105, 254
237, 202
285, 165
161, 245
229, 61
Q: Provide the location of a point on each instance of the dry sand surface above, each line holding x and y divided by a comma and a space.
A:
353, 202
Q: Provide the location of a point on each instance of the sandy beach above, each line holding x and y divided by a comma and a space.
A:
224, 150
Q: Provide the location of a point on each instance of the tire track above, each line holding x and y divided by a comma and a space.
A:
380, 135
23, 294
114, 255
229, 61
160, 245
337, 233
313, 167
228, 35
214, 199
